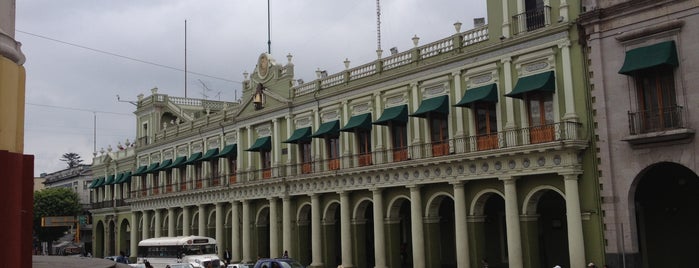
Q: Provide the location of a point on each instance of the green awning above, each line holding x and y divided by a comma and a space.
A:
641, 58
152, 168
139, 170
109, 180
95, 182
434, 105
543, 82
118, 178
211, 153
126, 176
362, 121
261, 144
163, 165
327, 129
487, 93
192, 158
229, 149
179, 161
99, 182
300, 135
397, 114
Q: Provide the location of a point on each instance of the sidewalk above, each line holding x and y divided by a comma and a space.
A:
77, 262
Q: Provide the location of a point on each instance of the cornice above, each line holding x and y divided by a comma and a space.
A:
11, 49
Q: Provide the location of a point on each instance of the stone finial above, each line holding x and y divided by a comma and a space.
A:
140, 97
154, 90
245, 75
347, 63
109, 148
457, 26
127, 143
416, 40
378, 53
289, 57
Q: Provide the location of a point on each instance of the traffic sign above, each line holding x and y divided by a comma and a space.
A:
55, 221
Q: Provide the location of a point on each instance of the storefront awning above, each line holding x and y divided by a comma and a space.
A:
300, 135
543, 82
230, 149
109, 180
327, 129
211, 153
362, 121
163, 165
438, 105
126, 177
192, 158
487, 93
641, 58
261, 144
152, 168
140, 170
179, 161
96, 182
397, 114
118, 178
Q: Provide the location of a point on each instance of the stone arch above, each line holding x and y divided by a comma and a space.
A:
262, 214
360, 208
480, 199
330, 210
99, 245
433, 203
531, 200
303, 212
394, 205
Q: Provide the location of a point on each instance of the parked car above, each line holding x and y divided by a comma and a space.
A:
241, 265
179, 265
277, 263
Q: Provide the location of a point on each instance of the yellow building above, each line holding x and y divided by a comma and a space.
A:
469, 149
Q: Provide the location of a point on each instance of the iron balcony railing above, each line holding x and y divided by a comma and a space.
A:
531, 20
655, 120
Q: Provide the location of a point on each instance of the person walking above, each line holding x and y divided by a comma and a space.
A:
122, 258
227, 256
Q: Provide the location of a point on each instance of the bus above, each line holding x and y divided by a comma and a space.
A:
199, 251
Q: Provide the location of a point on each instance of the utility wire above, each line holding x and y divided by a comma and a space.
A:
126, 57
76, 109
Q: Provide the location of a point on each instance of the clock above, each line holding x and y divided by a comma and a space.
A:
263, 66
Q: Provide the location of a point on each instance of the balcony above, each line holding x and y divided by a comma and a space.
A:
531, 20
661, 125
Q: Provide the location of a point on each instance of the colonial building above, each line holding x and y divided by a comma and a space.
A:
76, 178
470, 149
643, 58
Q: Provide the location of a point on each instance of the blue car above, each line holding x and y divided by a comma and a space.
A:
277, 263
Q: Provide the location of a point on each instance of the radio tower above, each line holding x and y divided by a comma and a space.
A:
378, 27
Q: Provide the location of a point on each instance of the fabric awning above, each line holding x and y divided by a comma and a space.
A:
211, 153
261, 144
327, 129
151, 168
641, 58
118, 178
139, 170
434, 105
109, 180
192, 158
397, 114
543, 82
95, 182
300, 135
125, 177
362, 121
179, 161
164, 165
229, 149
487, 93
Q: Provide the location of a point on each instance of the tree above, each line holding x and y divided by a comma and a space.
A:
54, 202
72, 159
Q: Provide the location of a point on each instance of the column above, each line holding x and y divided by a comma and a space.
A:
461, 230
171, 226
248, 129
235, 232
286, 225
219, 227
317, 260
459, 112
514, 240
133, 247
274, 251
505, 19
563, 10
246, 232
276, 143
509, 108
158, 223
186, 221
568, 90
379, 233
415, 121
416, 227
146, 225
345, 229
202, 220
576, 244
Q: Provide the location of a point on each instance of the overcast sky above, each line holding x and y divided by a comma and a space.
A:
70, 82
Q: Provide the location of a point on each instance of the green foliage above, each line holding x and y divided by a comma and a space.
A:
72, 159
54, 202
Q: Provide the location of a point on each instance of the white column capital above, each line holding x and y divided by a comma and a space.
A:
506, 60
564, 44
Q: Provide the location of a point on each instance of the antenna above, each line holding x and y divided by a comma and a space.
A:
269, 38
378, 25
185, 58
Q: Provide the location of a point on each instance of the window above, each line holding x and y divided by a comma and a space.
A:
364, 143
232, 168
168, 180
215, 174
266, 159
399, 141
198, 174
182, 171
486, 125
333, 152
540, 112
657, 105
156, 182
439, 134
305, 151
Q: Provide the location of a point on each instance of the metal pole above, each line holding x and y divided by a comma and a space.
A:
269, 37
185, 58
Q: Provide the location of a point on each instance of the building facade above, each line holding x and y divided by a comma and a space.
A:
642, 58
76, 178
472, 149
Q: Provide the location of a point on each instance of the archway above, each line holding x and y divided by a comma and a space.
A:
489, 229
667, 210
124, 236
111, 231
546, 228
305, 255
332, 238
364, 234
399, 233
98, 232
262, 231
440, 232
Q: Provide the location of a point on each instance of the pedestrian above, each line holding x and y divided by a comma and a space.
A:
227, 256
147, 264
285, 255
592, 264
122, 258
